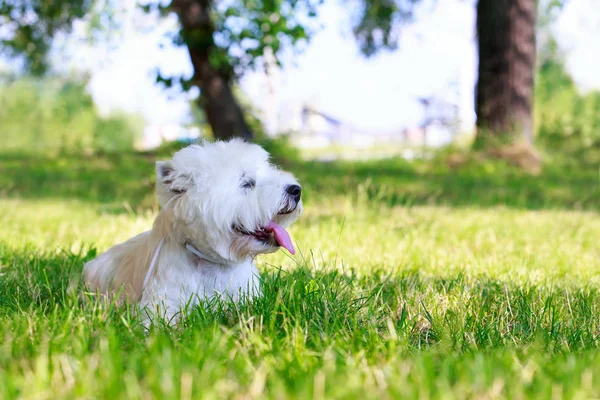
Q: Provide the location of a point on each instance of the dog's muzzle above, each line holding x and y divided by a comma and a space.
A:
293, 195
294, 191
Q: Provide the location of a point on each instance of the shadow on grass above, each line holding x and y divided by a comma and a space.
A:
361, 312
397, 182
115, 179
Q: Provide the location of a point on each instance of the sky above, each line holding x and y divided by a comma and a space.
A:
376, 95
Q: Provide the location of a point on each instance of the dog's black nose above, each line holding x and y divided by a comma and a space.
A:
295, 191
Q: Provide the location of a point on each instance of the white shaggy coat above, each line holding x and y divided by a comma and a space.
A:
222, 200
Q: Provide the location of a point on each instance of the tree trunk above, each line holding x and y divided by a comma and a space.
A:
223, 112
507, 51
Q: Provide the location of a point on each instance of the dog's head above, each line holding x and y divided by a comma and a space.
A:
227, 200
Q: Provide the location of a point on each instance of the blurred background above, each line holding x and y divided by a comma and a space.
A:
456, 85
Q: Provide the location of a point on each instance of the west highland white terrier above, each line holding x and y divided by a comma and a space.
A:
222, 204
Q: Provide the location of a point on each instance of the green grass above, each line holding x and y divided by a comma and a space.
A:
412, 281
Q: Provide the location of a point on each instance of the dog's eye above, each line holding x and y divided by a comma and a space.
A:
248, 184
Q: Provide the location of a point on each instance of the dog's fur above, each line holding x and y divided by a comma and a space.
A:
213, 196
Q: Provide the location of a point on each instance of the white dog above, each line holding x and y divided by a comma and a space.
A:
222, 204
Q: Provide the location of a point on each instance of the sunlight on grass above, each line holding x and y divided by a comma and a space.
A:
385, 298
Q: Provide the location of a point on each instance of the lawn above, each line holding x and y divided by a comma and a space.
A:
412, 280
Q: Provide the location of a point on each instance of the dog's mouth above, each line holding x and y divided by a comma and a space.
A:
272, 234
287, 210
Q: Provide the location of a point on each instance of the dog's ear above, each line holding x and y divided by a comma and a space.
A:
169, 181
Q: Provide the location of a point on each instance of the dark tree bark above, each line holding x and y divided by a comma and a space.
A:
223, 112
505, 86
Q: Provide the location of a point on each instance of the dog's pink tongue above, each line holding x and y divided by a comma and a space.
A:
282, 237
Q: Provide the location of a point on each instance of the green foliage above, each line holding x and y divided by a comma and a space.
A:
243, 30
30, 27
57, 115
117, 132
568, 122
377, 19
